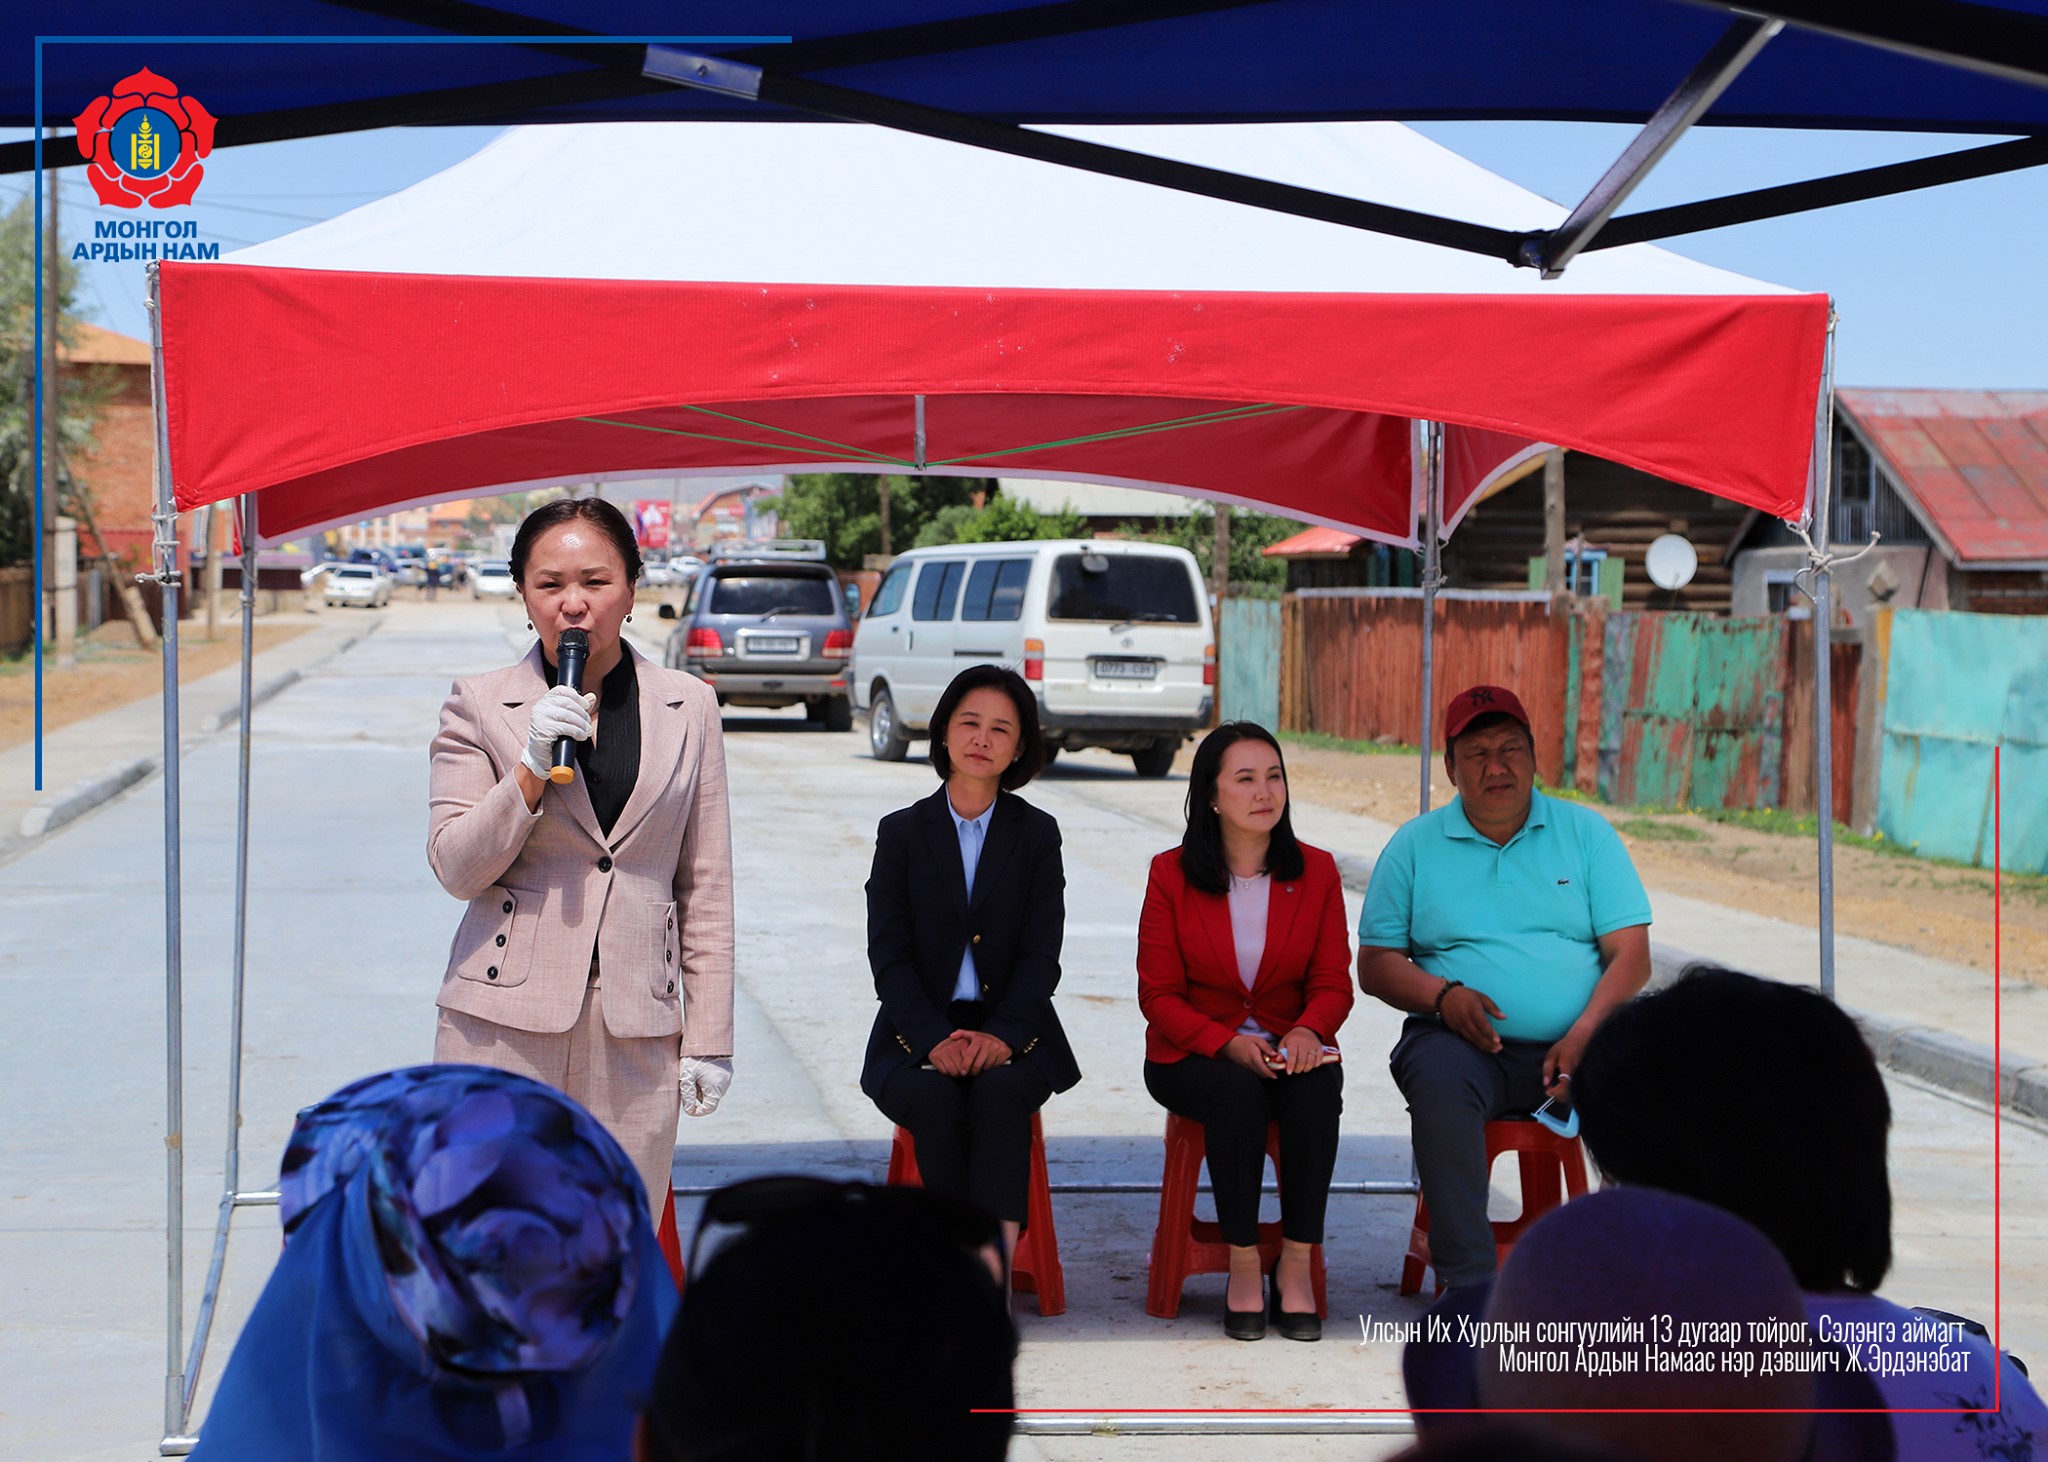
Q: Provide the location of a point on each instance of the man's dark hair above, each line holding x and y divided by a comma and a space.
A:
1487, 722
1757, 1097
1030, 740
1201, 846
595, 511
844, 1334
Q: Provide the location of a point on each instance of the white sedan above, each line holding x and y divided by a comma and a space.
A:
358, 583
491, 578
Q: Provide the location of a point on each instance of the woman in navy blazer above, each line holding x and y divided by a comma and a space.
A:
1244, 976
966, 908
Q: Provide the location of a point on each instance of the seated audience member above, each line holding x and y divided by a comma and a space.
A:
843, 1322
1651, 1264
1508, 925
1244, 979
1762, 1098
469, 1271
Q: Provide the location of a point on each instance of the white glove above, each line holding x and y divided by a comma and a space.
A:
704, 1081
561, 712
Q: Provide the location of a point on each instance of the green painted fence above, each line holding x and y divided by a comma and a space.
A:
1957, 686
1248, 661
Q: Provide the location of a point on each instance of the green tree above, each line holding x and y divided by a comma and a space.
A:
843, 510
1250, 533
76, 404
1003, 520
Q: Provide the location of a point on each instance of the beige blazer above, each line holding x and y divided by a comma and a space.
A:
547, 889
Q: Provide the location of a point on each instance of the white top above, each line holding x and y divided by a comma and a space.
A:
1249, 900
973, 833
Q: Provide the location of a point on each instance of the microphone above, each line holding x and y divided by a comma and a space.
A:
571, 653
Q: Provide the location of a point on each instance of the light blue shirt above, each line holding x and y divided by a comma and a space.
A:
973, 833
1519, 920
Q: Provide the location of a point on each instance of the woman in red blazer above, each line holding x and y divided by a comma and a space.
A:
1244, 975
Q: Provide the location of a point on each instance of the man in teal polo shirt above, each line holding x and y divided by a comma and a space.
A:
1508, 924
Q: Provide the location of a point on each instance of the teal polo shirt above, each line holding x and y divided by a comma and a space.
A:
1518, 921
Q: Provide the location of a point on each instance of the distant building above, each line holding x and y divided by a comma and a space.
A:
116, 473
1956, 484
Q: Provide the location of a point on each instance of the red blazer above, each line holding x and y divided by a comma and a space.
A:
1188, 985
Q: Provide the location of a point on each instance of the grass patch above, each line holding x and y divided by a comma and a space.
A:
1653, 831
1324, 742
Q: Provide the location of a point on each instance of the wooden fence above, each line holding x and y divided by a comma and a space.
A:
1646, 709
17, 610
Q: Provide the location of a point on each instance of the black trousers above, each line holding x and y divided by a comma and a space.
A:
973, 1133
1454, 1089
1234, 1105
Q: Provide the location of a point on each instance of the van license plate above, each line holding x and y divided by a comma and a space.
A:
1127, 669
772, 644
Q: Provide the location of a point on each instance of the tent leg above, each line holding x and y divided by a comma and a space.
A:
165, 519
1823, 659
231, 1197
1432, 579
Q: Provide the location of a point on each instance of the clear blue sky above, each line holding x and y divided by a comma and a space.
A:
1937, 288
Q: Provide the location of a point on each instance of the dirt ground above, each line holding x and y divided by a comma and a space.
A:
1890, 897
113, 671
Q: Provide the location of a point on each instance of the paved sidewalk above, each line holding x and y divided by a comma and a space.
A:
87, 763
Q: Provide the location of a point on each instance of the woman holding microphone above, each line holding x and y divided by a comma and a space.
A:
597, 952
966, 909
1244, 976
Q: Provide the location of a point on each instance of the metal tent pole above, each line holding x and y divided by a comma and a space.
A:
165, 521
1432, 580
1819, 560
231, 1197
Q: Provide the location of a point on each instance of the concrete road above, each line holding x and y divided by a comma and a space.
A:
348, 933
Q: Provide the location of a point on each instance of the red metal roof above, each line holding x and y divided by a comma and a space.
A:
1974, 462
1314, 543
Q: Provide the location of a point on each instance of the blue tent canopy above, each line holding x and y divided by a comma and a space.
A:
974, 70
1082, 60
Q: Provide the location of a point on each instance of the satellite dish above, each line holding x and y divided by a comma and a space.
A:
1671, 562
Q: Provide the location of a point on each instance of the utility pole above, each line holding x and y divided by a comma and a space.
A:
882, 486
1553, 523
1219, 584
60, 624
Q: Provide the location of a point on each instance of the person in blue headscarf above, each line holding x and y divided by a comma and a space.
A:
469, 1271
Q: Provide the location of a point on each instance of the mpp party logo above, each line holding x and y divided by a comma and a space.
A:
145, 141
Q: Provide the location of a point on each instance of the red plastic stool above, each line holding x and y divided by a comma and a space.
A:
1543, 1158
671, 1242
1035, 1267
1184, 1245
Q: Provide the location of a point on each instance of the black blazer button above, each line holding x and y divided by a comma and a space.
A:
491, 973
671, 987
604, 865
977, 939
668, 956
501, 941
508, 906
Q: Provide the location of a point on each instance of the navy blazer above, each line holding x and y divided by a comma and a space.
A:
920, 923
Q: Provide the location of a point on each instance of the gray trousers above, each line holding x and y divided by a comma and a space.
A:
1453, 1090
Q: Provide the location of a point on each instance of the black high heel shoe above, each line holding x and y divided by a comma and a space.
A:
1294, 1324
1245, 1324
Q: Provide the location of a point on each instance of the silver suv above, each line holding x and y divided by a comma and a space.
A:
769, 631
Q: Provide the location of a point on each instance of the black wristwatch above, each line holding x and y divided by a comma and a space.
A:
1449, 985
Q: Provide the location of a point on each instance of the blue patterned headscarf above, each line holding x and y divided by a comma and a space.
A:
469, 1272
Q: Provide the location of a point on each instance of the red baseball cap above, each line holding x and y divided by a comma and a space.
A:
1468, 706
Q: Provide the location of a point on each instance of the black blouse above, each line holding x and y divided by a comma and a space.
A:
610, 761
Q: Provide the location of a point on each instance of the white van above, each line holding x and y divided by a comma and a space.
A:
1114, 636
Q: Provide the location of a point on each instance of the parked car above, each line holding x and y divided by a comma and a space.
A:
768, 632
491, 578
1114, 637
358, 583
